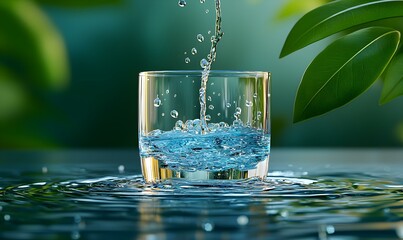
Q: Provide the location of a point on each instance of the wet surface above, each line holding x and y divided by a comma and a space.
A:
311, 194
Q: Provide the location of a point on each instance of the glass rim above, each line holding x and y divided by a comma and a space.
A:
198, 73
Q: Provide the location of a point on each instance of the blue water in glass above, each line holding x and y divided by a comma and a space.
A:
223, 148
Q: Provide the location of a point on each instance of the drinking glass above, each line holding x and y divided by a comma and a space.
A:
231, 142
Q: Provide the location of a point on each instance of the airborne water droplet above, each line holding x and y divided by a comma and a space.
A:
157, 102
200, 38
203, 63
182, 3
194, 51
174, 114
187, 60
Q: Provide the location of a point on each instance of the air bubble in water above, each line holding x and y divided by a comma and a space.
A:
163, 114
211, 107
174, 114
209, 32
175, 95
249, 103
238, 111
218, 114
202, 1
228, 105
194, 51
259, 115
207, 11
7, 217
167, 91
203, 63
121, 168
157, 102
182, 3
209, 98
200, 38
44, 170
187, 60
179, 125
255, 95
208, 118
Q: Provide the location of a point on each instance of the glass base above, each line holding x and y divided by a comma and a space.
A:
154, 172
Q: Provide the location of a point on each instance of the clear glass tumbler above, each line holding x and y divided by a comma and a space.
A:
172, 140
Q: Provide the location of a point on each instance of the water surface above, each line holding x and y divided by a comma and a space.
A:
100, 195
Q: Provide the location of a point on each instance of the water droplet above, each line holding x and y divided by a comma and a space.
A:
202, 1
209, 32
218, 114
228, 105
330, 229
200, 38
242, 220
7, 217
208, 227
203, 63
284, 213
182, 3
175, 95
187, 60
209, 98
44, 170
211, 107
194, 51
167, 91
157, 102
249, 103
163, 114
207, 11
255, 95
174, 114
121, 169
208, 118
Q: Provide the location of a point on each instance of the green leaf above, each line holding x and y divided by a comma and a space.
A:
344, 70
338, 16
31, 45
393, 82
295, 7
79, 3
12, 97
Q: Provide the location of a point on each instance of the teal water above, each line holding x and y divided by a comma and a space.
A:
99, 195
223, 147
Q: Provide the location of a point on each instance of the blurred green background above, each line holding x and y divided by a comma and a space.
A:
68, 71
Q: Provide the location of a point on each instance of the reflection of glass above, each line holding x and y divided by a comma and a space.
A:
172, 143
